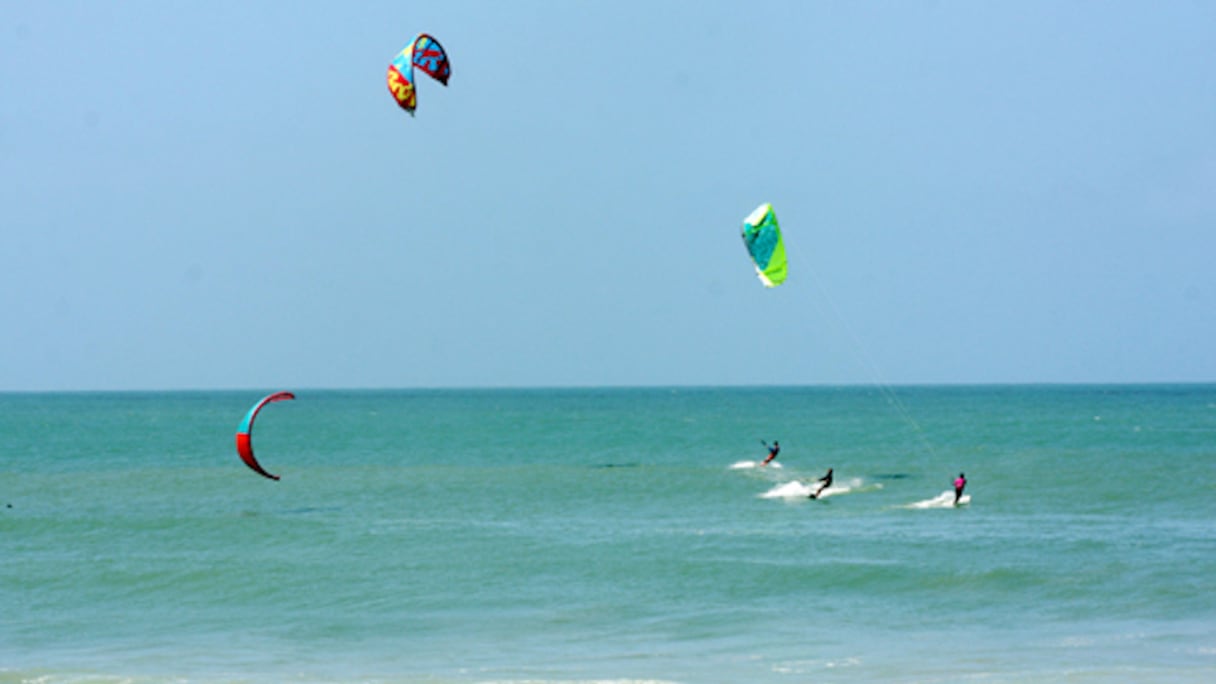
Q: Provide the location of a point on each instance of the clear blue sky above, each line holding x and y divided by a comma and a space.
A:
224, 194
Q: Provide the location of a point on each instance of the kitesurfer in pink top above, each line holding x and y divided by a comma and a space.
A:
958, 487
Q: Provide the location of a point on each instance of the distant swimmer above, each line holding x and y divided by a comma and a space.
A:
772, 451
959, 484
825, 482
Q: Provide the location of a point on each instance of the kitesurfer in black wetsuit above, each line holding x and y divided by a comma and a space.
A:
826, 481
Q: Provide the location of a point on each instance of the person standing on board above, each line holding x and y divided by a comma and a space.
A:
959, 484
825, 482
772, 451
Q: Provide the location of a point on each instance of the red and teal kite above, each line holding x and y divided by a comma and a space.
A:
244, 433
426, 54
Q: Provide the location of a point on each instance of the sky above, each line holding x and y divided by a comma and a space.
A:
224, 195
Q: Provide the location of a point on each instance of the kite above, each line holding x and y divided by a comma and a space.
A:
426, 54
762, 236
244, 433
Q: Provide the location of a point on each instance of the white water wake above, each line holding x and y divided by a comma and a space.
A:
747, 465
798, 489
943, 500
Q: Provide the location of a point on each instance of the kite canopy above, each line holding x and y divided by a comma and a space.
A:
244, 433
762, 236
426, 54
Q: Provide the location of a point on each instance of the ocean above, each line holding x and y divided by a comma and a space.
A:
611, 535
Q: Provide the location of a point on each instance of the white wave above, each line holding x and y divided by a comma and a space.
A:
798, 489
943, 500
744, 465
789, 490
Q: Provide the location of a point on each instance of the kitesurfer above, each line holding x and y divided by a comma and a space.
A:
959, 484
825, 482
772, 452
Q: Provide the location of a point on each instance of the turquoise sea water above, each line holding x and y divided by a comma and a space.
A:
605, 535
